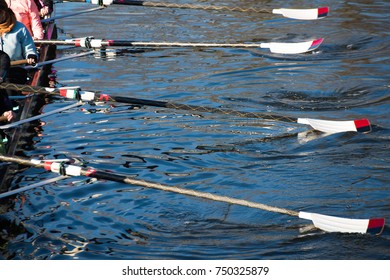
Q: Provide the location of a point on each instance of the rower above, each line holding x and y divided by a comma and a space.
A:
6, 113
5, 103
17, 42
26, 11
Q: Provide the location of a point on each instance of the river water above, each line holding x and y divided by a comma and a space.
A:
278, 164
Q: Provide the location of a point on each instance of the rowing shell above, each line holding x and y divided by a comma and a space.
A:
28, 106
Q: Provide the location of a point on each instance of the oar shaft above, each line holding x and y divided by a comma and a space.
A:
27, 88
274, 47
55, 42
360, 125
125, 43
155, 103
127, 180
22, 161
189, 6
47, 62
174, 5
324, 222
205, 109
111, 176
29, 187
97, 43
50, 19
301, 14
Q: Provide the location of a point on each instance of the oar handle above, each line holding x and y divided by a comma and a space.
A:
18, 62
3, 118
21, 62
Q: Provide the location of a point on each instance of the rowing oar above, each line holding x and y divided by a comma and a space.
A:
63, 58
274, 47
327, 126
71, 14
40, 64
32, 186
323, 222
303, 14
24, 61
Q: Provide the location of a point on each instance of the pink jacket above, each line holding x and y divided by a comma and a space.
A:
26, 12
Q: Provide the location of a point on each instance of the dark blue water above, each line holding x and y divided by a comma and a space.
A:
278, 164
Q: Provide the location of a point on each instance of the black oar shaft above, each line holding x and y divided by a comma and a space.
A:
204, 109
127, 43
156, 103
96, 43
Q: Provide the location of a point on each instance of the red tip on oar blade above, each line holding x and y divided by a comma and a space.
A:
376, 226
363, 125
323, 12
316, 44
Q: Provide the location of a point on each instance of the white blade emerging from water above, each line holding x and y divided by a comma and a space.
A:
327, 126
303, 14
293, 48
337, 224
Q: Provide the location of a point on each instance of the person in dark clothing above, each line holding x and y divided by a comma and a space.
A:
5, 104
6, 113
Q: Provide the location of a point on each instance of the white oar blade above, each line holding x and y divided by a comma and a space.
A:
303, 14
293, 48
327, 126
337, 224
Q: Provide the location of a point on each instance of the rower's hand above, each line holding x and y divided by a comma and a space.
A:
31, 61
44, 11
9, 115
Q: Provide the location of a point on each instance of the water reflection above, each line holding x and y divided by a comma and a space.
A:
279, 164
